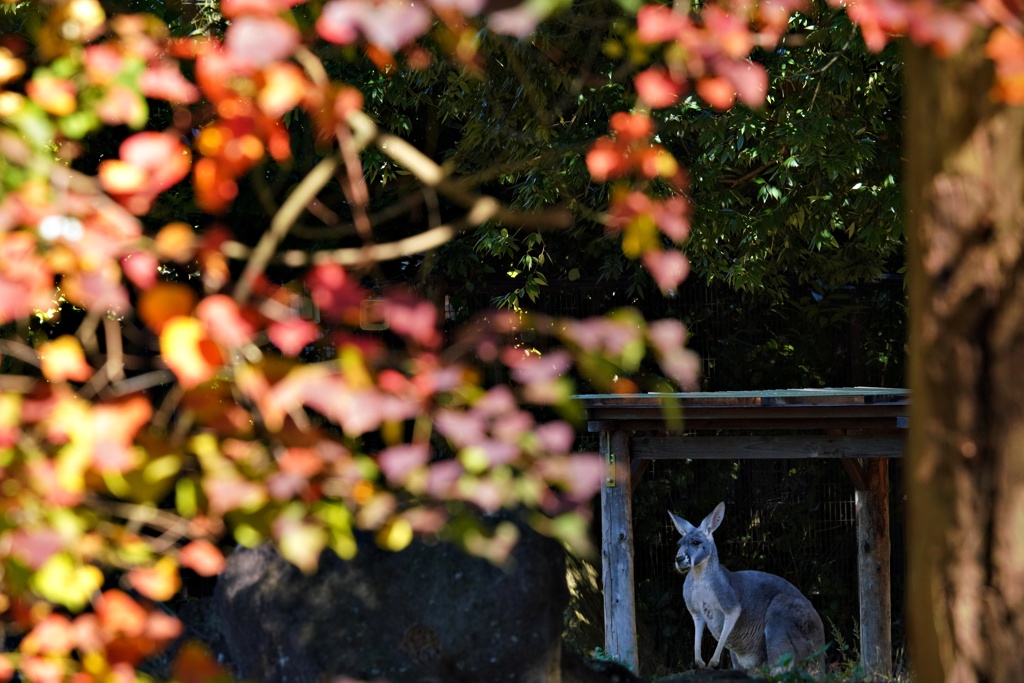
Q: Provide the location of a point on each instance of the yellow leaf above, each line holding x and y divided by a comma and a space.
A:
60, 581
63, 359
188, 352
395, 535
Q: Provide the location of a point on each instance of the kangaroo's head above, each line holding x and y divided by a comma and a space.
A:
697, 544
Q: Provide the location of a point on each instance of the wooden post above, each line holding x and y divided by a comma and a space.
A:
873, 551
617, 551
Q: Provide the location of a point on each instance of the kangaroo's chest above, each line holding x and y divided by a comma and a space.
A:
705, 599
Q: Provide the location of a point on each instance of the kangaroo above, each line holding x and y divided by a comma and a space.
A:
759, 617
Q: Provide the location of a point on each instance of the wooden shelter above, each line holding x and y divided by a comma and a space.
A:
863, 427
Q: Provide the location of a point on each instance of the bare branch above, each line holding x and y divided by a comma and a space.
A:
283, 220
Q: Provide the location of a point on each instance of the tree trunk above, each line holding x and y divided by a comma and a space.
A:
965, 466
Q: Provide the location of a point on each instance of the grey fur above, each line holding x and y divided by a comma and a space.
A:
758, 616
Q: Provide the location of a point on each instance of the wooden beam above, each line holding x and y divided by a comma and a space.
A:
764, 447
617, 551
873, 554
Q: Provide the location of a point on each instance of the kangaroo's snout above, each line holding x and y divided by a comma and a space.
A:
683, 564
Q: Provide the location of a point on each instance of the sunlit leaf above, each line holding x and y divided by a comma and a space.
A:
202, 557
63, 359
261, 40
63, 582
292, 335
657, 88
159, 582
189, 353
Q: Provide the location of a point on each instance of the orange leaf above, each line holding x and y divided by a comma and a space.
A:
195, 664
165, 301
159, 582
119, 613
657, 88
717, 92
176, 242
63, 359
188, 352
202, 557
631, 127
56, 96
225, 321
120, 177
53, 635
605, 160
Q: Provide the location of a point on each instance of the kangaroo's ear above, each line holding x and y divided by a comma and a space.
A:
681, 525
712, 521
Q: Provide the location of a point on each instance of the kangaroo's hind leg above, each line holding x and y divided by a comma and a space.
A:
792, 632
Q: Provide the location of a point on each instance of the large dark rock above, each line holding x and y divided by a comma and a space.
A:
427, 614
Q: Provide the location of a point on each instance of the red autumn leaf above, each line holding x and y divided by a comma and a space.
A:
731, 32
389, 24
518, 21
192, 356
659, 24
120, 614
54, 635
347, 100
657, 88
162, 155
33, 548
397, 462
202, 557
292, 335
225, 321
114, 427
37, 669
162, 161
336, 296
580, 475
163, 80
98, 290
120, 105
237, 8
141, 267
555, 437
716, 91
339, 22
631, 128
394, 24
668, 339
669, 268
606, 160
26, 282
103, 63
261, 40
749, 80
672, 217
413, 317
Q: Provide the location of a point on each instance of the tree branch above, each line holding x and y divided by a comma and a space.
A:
283, 220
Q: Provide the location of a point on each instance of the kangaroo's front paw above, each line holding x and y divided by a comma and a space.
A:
715, 661
699, 663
